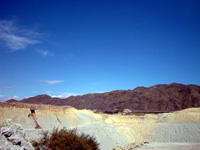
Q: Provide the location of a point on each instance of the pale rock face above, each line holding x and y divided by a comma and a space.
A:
6, 132
14, 138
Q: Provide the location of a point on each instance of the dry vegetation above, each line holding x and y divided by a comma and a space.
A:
64, 139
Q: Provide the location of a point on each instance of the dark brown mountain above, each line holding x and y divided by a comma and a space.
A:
161, 97
156, 98
12, 101
42, 99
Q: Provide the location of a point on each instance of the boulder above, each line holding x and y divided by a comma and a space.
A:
14, 138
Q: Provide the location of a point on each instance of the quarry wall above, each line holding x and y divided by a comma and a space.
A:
110, 130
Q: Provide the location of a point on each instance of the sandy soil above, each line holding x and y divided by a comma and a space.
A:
170, 146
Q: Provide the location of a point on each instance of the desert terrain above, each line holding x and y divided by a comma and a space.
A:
161, 131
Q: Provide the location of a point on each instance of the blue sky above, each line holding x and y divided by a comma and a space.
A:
71, 47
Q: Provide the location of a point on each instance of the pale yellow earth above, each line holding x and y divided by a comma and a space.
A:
112, 130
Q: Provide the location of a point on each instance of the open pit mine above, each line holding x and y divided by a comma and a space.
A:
178, 129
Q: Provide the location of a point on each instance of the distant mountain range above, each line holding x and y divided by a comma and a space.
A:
158, 98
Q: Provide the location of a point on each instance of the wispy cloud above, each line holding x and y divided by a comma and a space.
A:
52, 81
46, 53
61, 94
5, 97
2, 86
16, 38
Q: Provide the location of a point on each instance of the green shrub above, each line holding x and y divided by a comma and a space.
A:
64, 139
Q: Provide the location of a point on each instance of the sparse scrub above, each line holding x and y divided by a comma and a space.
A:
64, 139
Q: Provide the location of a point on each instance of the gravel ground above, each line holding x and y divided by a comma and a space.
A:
170, 146
177, 132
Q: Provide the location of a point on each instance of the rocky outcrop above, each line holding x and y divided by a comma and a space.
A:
14, 138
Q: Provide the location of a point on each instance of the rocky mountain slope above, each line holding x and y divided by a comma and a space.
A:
158, 98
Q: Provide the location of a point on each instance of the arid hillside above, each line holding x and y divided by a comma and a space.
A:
158, 98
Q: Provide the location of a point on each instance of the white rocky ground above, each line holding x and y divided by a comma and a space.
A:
13, 137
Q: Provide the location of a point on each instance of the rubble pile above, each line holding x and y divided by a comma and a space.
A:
14, 138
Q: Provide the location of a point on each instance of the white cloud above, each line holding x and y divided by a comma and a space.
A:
52, 81
61, 94
16, 97
6, 86
45, 53
100, 92
65, 95
5, 98
48, 92
16, 38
